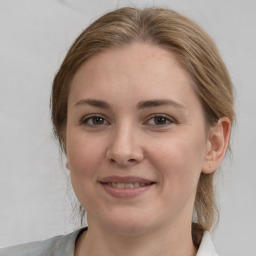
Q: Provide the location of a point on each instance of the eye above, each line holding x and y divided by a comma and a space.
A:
160, 120
94, 121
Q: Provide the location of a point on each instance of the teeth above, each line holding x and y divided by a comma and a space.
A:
127, 185
120, 185
136, 185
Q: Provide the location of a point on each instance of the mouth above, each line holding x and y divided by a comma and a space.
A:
126, 187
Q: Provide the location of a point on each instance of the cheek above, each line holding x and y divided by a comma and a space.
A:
179, 162
84, 155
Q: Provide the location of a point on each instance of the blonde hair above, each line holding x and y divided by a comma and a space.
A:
196, 52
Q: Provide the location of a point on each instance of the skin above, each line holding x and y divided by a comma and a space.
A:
129, 141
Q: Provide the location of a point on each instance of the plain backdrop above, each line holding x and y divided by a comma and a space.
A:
34, 37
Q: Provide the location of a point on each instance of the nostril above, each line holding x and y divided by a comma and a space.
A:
123, 162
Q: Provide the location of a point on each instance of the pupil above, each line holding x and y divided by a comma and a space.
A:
160, 120
98, 120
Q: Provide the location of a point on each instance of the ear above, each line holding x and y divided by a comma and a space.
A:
217, 143
67, 165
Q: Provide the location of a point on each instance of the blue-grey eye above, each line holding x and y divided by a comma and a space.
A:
159, 120
95, 121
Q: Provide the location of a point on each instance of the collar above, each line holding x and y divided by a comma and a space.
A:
206, 247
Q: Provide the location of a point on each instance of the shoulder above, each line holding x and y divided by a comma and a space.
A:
56, 246
206, 247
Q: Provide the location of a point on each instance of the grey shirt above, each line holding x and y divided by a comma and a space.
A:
65, 246
55, 246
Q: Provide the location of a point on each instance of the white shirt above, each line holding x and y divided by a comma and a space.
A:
206, 247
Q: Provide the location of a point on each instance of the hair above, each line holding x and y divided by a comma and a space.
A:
194, 49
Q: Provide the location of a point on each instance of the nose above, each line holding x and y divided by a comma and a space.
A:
125, 149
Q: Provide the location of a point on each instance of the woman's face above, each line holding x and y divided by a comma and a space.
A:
135, 139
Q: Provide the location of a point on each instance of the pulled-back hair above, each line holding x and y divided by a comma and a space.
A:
195, 51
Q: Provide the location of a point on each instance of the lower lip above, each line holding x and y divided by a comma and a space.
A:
125, 192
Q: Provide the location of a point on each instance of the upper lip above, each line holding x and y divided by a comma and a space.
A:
127, 179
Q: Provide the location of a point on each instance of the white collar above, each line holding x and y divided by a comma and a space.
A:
206, 247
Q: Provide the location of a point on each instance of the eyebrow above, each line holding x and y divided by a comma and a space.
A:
141, 105
94, 102
157, 103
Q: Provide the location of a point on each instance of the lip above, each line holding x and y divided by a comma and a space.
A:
125, 179
125, 192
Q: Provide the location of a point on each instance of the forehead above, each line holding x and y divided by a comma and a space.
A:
135, 71
147, 56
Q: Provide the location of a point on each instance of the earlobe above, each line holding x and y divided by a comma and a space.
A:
217, 145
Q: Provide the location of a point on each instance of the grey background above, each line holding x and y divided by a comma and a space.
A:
34, 37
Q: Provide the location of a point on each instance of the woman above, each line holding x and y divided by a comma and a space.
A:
142, 107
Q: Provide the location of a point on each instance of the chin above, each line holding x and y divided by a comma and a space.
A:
129, 223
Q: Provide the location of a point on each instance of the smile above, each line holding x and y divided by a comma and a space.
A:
126, 187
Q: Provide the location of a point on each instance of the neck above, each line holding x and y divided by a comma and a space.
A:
161, 242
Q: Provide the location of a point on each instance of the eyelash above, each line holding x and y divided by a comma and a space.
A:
85, 121
166, 118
